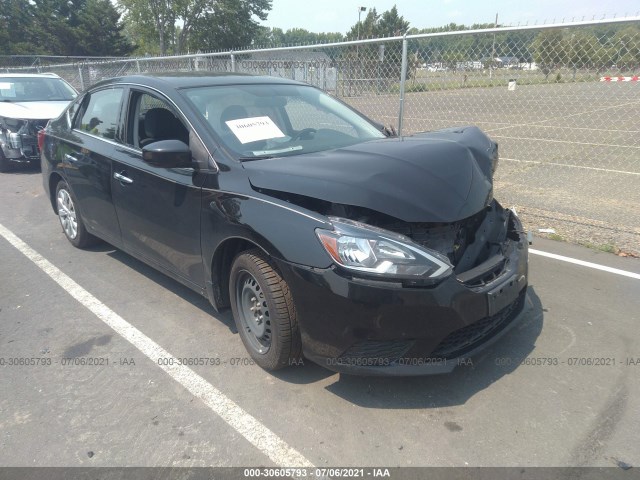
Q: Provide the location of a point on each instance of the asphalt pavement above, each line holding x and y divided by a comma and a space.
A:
561, 389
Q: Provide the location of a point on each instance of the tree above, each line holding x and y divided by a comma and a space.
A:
294, 36
152, 17
391, 24
549, 51
16, 20
99, 31
61, 27
228, 24
368, 62
626, 45
366, 28
581, 50
203, 24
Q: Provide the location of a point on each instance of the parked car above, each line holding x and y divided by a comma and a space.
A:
326, 235
27, 103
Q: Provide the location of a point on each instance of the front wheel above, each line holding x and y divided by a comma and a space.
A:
72, 225
264, 312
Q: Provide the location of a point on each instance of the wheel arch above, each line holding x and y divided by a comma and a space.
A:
221, 263
54, 179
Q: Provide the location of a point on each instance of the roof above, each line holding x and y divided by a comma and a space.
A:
28, 75
196, 79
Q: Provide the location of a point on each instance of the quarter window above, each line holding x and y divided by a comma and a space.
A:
100, 117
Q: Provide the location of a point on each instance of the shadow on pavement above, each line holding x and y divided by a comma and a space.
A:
385, 392
455, 388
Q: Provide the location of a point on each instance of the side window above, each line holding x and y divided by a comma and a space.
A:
100, 116
151, 119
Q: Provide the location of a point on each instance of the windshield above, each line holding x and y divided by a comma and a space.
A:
35, 89
257, 121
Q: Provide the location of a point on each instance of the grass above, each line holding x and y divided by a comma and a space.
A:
556, 237
455, 80
603, 247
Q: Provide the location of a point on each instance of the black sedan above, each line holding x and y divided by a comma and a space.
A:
327, 236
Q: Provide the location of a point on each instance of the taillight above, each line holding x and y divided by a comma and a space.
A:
41, 137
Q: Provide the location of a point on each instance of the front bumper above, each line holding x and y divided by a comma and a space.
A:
19, 143
367, 327
24, 151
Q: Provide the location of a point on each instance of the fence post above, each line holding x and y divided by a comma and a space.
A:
81, 76
403, 80
138, 65
233, 62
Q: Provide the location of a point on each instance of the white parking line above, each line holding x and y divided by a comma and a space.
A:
248, 426
554, 140
537, 162
597, 266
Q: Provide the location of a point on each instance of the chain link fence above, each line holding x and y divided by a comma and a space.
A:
562, 101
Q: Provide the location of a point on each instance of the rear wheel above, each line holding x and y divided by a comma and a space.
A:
72, 224
264, 312
4, 163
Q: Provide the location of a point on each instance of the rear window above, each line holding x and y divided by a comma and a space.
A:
35, 89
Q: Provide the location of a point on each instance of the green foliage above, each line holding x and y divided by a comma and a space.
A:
16, 32
100, 32
626, 47
273, 37
549, 51
229, 25
178, 26
61, 27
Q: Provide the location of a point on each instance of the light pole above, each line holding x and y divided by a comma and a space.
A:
360, 10
493, 49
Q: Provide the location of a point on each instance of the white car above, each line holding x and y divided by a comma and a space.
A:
27, 103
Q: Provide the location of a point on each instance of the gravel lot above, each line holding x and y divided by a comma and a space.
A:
570, 151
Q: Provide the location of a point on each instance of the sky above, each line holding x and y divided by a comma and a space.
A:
340, 15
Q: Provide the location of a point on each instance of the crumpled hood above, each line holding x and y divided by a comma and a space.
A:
32, 110
441, 176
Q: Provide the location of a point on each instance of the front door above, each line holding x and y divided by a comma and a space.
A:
158, 208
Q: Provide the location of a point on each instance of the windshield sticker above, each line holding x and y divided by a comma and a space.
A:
254, 129
8, 89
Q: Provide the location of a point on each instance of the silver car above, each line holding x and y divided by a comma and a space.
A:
27, 103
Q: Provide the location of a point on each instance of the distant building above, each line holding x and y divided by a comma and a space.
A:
506, 62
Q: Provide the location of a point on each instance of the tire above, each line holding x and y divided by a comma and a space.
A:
70, 220
264, 312
4, 163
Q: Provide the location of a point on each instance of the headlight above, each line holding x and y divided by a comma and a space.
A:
11, 124
364, 248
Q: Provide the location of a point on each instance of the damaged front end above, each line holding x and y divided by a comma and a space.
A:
477, 247
428, 268
462, 289
18, 139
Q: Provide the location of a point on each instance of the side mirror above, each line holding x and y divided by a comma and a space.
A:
168, 154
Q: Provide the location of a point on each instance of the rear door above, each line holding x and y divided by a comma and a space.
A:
86, 156
158, 208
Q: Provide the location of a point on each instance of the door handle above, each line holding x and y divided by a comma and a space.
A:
70, 158
120, 177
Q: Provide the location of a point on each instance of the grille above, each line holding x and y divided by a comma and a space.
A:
465, 339
28, 140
